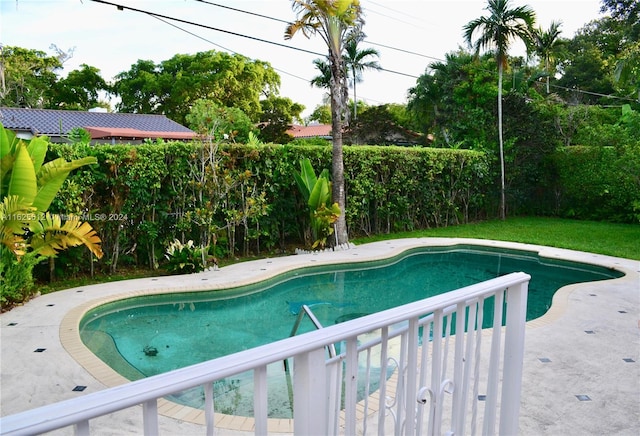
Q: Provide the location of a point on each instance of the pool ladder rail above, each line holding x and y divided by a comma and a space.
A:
306, 310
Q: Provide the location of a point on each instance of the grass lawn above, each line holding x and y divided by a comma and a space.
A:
619, 240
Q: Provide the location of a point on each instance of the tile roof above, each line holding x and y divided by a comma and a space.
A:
52, 122
318, 130
116, 132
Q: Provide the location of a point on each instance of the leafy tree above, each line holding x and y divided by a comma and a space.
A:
332, 20
627, 65
219, 123
172, 86
455, 101
627, 69
626, 12
587, 62
26, 77
278, 113
138, 89
497, 31
381, 125
356, 63
545, 45
79, 90
321, 114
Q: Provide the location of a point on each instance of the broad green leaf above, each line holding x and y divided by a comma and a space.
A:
306, 178
23, 177
319, 195
6, 164
7, 141
51, 177
38, 150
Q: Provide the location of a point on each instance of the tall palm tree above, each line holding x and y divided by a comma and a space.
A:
497, 31
545, 44
356, 64
332, 20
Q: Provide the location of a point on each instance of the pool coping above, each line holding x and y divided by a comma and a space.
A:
70, 334
79, 300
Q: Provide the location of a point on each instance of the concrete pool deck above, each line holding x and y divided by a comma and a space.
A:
581, 364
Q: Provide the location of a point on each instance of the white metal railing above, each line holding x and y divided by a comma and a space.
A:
422, 368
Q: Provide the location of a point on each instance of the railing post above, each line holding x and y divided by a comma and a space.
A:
351, 386
150, 420
260, 401
411, 377
209, 411
310, 413
82, 428
493, 375
513, 356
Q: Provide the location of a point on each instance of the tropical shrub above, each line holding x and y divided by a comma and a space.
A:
17, 276
28, 232
602, 181
317, 193
184, 258
598, 183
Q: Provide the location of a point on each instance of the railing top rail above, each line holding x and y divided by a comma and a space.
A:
131, 394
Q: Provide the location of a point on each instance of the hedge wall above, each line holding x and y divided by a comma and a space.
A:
139, 198
598, 183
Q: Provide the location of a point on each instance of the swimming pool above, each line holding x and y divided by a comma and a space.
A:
144, 336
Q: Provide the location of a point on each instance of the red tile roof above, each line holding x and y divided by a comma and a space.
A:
314, 131
114, 132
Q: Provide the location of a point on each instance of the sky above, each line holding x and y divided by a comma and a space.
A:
409, 35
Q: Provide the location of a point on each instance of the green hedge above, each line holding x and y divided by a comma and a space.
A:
139, 198
598, 183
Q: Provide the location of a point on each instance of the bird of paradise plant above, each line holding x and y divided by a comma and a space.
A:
316, 191
28, 185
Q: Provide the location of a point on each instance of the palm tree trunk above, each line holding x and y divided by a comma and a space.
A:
337, 173
501, 143
355, 99
339, 96
546, 66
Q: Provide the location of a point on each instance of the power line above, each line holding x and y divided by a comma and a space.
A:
405, 51
392, 18
218, 45
597, 94
243, 11
166, 17
154, 14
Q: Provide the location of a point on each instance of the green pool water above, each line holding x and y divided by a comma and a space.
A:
144, 336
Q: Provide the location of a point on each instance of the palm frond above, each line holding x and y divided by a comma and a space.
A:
51, 235
14, 221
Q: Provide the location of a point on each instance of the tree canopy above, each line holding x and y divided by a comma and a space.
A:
172, 86
278, 113
26, 77
80, 90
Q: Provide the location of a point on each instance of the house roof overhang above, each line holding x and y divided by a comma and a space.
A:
116, 132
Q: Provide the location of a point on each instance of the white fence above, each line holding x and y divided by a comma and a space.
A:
422, 368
